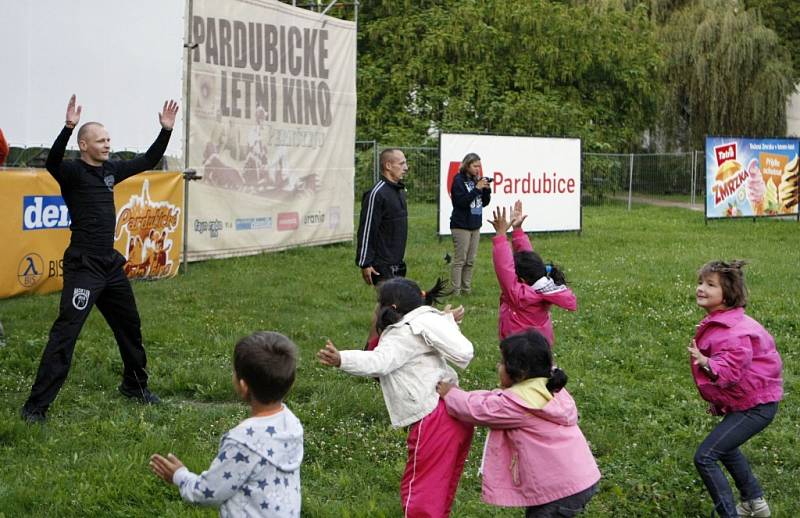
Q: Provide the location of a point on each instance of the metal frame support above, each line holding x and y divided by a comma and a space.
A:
189, 175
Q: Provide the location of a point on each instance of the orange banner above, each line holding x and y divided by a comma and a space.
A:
35, 228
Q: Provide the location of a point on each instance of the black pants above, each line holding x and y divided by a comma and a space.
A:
90, 280
571, 505
388, 271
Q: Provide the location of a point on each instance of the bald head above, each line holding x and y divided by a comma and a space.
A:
86, 128
94, 143
393, 164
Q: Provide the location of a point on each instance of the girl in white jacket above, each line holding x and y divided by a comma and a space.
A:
416, 342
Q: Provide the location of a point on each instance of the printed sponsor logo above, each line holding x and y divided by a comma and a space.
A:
262, 223
452, 171
109, 181
30, 270
334, 217
80, 298
213, 227
44, 212
148, 225
725, 152
288, 221
314, 218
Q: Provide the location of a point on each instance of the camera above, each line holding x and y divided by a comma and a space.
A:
487, 179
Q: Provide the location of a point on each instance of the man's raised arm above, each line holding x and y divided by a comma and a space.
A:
151, 157
56, 154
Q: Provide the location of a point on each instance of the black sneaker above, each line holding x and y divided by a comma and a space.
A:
33, 416
142, 395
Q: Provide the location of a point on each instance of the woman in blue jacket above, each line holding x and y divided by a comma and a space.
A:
470, 192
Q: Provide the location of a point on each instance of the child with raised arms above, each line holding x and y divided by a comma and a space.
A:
528, 286
535, 455
416, 343
737, 369
257, 469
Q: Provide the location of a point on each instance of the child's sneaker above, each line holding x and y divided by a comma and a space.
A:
757, 507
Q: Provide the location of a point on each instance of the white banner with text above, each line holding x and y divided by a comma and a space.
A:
272, 128
544, 173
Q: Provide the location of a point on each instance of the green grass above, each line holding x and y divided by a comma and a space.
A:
624, 350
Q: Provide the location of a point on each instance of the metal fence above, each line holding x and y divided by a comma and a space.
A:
607, 178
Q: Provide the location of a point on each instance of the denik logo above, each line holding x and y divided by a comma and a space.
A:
44, 212
30, 270
80, 298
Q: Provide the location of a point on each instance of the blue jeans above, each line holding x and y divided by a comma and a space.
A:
722, 444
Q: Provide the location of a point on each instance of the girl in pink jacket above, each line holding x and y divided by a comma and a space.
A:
535, 454
737, 369
528, 286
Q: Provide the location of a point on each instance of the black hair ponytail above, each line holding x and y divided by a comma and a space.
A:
557, 380
399, 296
433, 295
555, 273
527, 355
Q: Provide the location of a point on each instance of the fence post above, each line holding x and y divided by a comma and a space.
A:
375, 164
630, 182
693, 181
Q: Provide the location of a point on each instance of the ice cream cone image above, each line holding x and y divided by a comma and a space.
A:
788, 192
771, 198
756, 188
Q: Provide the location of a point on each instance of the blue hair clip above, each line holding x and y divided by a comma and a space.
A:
548, 268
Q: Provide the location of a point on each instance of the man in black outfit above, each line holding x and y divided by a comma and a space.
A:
383, 226
93, 270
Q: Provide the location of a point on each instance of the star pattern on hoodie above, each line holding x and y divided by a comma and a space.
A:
240, 457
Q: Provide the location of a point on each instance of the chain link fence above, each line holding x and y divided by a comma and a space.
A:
608, 178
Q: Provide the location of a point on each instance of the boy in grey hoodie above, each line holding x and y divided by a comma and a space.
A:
257, 469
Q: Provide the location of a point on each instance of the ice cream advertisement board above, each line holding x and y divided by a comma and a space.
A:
751, 177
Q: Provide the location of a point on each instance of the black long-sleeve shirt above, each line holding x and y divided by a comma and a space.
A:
383, 225
88, 190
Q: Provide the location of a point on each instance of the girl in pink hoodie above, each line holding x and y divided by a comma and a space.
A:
535, 454
737, 369
528, 286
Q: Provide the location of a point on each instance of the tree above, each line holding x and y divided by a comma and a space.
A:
783, 17
531, 67
727, 74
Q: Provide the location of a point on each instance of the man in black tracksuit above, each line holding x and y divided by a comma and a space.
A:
383, 226
93, 270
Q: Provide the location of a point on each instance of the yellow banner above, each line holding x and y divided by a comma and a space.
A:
35, 228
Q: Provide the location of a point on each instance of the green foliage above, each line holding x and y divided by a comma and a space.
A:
517, 67
729, 74
783, 17
624, 350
